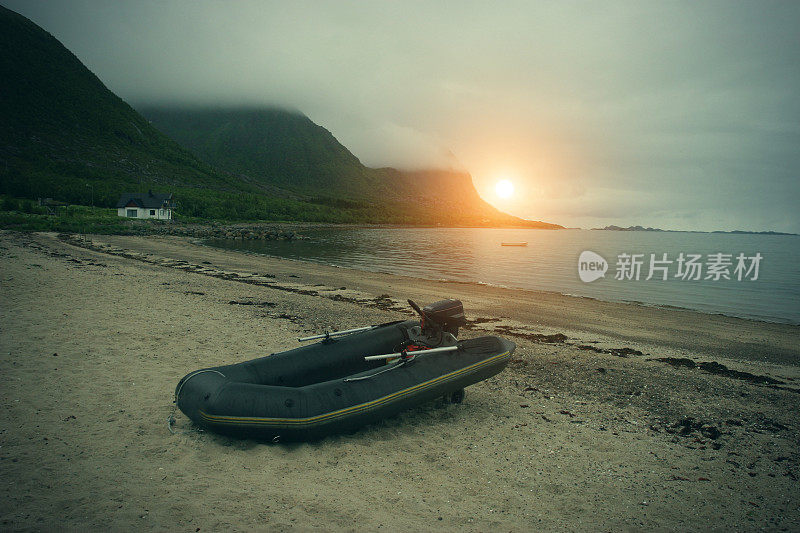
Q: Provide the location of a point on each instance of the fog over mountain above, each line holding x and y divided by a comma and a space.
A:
677, 115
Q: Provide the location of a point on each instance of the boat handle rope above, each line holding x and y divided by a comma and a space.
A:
393, 367
171, 417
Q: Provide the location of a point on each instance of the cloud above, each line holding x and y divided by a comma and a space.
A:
696, 102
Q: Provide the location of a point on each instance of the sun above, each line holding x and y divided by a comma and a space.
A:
504, 189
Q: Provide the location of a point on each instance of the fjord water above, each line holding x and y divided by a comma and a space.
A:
550, 263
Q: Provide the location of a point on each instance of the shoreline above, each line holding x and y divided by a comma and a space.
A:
668, 307
587, 429
587, 319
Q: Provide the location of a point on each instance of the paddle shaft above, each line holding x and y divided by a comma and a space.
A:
334, 334
420, 352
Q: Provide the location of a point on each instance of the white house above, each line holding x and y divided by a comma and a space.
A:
145, 205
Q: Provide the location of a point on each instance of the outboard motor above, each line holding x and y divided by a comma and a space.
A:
444, 315
439, 323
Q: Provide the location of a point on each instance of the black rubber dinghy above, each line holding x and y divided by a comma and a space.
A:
328, 387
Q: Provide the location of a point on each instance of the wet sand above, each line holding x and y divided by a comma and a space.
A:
611, 416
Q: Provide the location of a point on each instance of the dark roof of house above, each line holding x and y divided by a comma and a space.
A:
145, 200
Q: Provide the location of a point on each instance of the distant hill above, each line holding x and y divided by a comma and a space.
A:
629, 228
734, 232
64, 135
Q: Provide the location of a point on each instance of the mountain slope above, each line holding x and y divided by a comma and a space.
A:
271, 146
266, 145
64, 135
59, 124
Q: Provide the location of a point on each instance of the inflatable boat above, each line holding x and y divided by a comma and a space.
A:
345, 381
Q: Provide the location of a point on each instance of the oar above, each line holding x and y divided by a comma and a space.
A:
484, 344
416, 352
335, 333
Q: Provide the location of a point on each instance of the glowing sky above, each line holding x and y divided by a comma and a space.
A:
681, 115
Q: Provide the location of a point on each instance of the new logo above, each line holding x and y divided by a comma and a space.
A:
591, 266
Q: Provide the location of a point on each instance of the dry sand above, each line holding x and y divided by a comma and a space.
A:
93, 339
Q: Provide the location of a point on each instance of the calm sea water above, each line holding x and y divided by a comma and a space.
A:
550, 262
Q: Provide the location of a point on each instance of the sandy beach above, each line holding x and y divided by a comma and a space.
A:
610, 417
